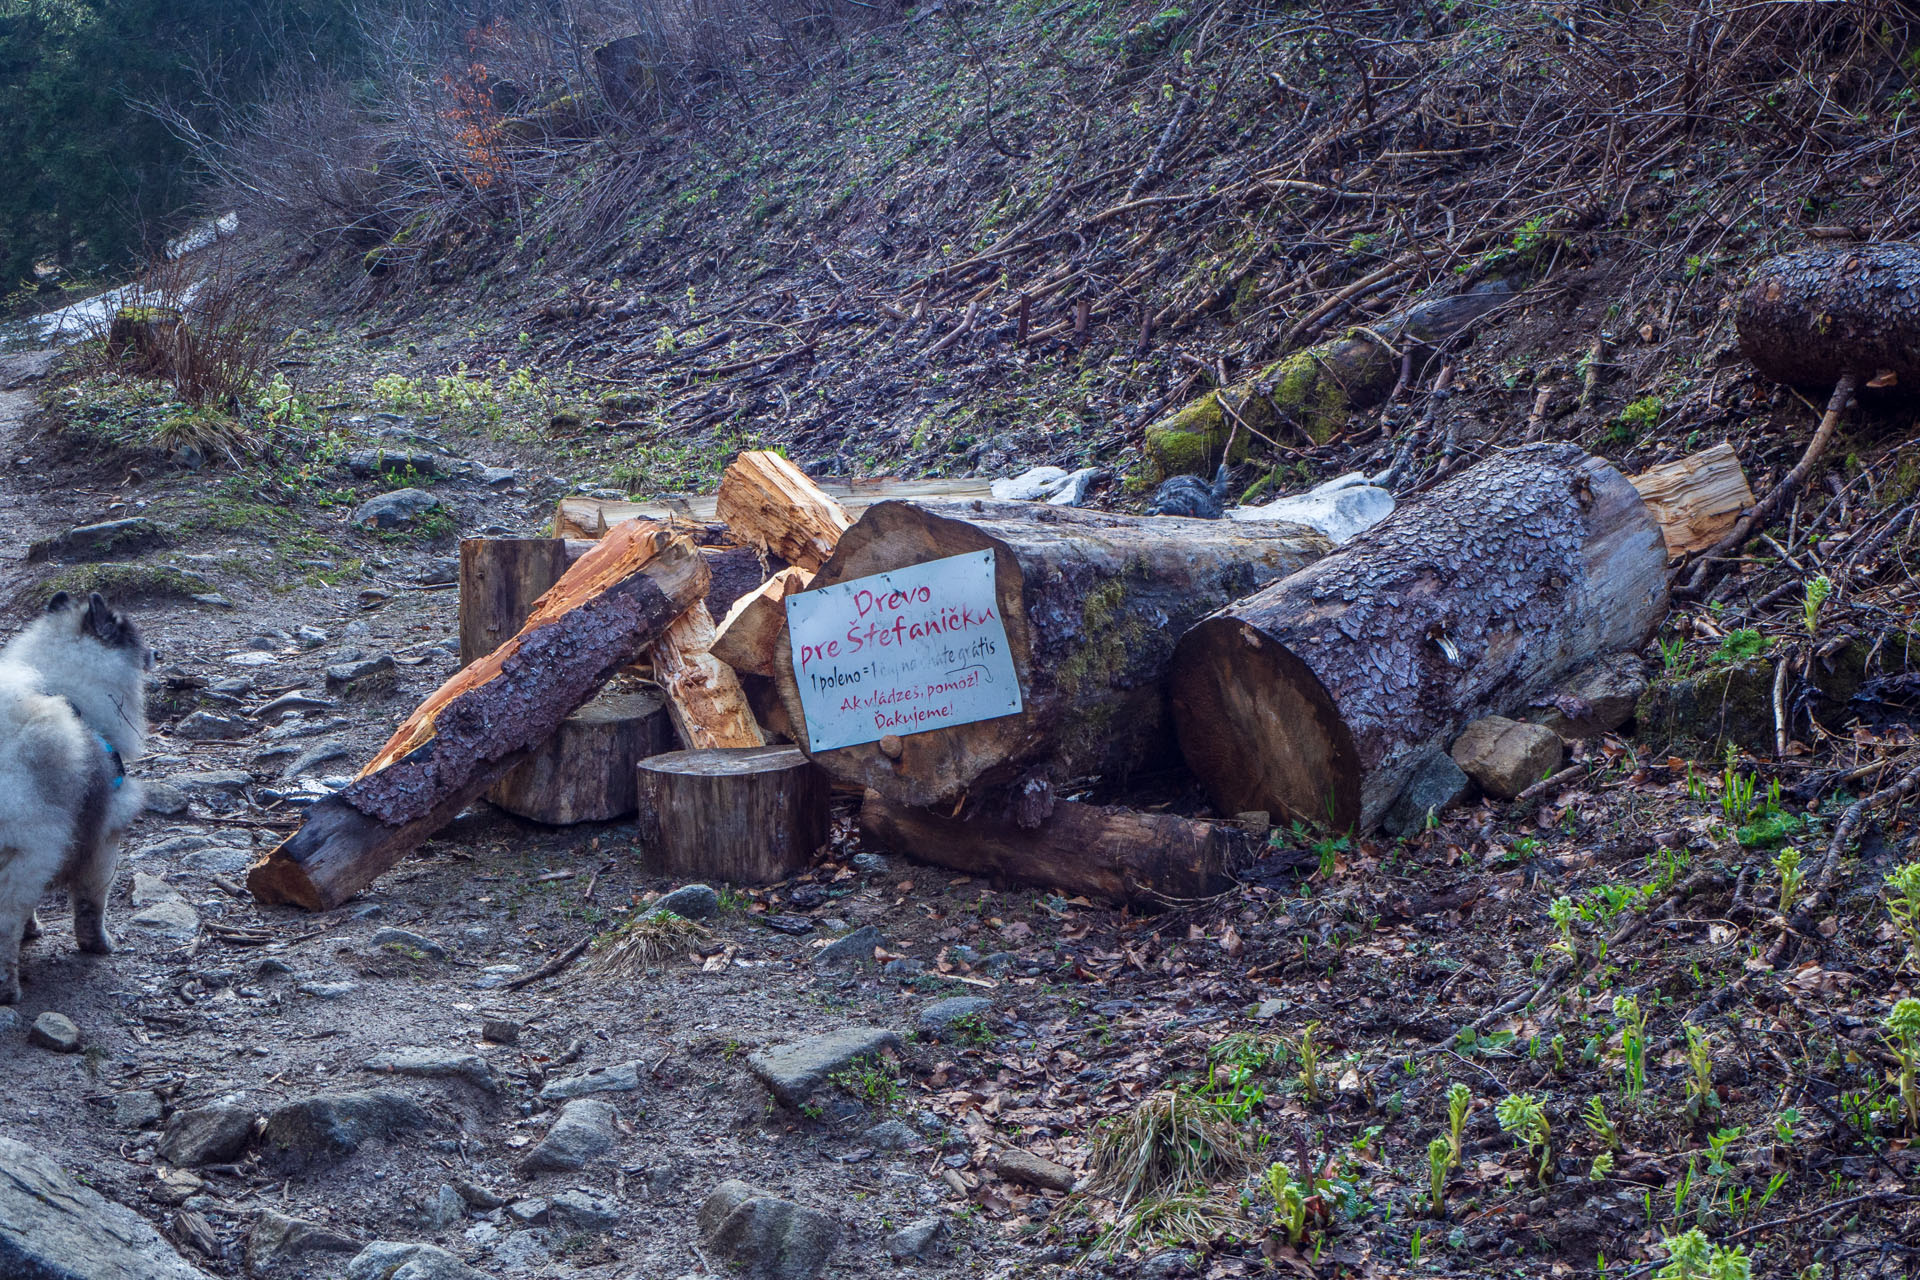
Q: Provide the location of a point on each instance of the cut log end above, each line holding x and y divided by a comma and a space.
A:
749, 816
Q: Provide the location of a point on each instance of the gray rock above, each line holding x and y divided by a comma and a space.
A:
394, 510
54, 1031
407, 940
172, 921
764, 1237
10, 1019
22, 367
220, 860
870, 864
920, 1239
435, 1064
164, 798
498, 477
328, 990
199, 784
394, 1260
440, 571
207, 1135
689, 902
312, 758
308, 638
333, 1124
138, 1109
854, 948
1596, 699
177, 847
578, 1211
149, 889
391, 463
365, 678
1437, 785
504, 1031
1165, 1265
530, 1212
584, 1131
891, 1135
936, 1021
444, 1209
100, 541
792, 1072
214, 600
211, 726
52, 1228
1507, 756
623, 1078
277, 1240
1031, 1170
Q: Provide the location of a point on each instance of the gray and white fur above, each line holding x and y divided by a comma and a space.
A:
72, 717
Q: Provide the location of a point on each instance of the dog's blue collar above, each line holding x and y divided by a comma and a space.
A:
113, 753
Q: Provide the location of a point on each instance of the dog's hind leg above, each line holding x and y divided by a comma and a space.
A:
90, 883
10, 930
33, 928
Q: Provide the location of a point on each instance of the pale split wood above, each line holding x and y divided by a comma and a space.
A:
748, 636
1696, 499
772, 504
704, 696
581, 517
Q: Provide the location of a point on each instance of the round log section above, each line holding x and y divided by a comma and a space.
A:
1815, 314
1317, 696
585, 772
1093, 605
751, 815
500, 578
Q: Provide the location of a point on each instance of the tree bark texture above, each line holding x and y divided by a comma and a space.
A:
1814, 314
584, 772
500, 578
751, 816
1316, 697
577, 517
1093, 604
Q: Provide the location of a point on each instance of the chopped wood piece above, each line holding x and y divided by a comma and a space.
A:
749, 816
578, 517
584, 772
1114, 855
1093, 605
746, 638
500, 578
1696, 499
770, 503
708, 705
1317, 697
602, 614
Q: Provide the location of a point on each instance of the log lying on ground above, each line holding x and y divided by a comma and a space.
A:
602, 615
584, 772
1815, 314
771, 504
704, 695
1093, 604
577, 517
1112, 855
1317, 697
747, 637
746, 817
1696, 499
1314, 389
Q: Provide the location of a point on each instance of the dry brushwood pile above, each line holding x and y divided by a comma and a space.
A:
1528, 885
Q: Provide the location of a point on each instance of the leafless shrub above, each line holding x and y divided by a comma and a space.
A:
195, 323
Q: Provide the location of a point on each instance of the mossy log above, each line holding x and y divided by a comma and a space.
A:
1093, 604
1814, 314
1318, 696
1316, 388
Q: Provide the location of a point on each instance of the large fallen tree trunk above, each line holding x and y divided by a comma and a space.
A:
1816, 314
602, 615
1317, 697
1092, 604
578, 517
1312, 390
1113, 855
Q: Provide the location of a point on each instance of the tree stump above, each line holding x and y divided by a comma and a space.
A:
585, 772
500, 578
747, 816
1317, 697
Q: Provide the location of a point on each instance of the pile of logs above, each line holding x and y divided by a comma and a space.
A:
646, 666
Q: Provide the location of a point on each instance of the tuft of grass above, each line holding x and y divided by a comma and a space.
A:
121, 582
627, 952
1170, 1145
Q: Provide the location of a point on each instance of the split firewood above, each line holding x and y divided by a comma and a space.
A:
1093, 604
746, 638
1113, 855
770, 503
604, 613
1696, 499
741, 816
579, 517
1318, 696
708, 705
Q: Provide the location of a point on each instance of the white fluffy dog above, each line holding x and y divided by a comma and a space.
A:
72, 716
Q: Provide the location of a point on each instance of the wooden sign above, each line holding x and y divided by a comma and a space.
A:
915, 649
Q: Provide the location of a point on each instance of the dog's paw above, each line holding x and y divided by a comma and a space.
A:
32, 930
98, 944
9, 990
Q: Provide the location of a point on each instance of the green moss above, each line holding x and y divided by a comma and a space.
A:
1189, 441
625, 403
1302, 390
121, 582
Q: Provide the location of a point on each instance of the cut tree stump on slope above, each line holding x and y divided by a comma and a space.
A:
749, 816
771, 504
603, 614
1318, 696
1093, 604
1117, 856
584, 772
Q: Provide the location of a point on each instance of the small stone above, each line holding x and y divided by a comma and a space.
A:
624, 1078
1437, 785
199, 784
1165, 1265
10, 1019
365, 678
444, 1209
394, 510
211, 726
328, 990
54, 1031
219, 860
207, 1135
920, 1239
113, 538
854, 948
500, 1031
870, 864
1596, 699
329, 1125
440, 572
214, 600
176, 1187
394, 1260
936, 1021
312, 758
1507, 756
792, 1072
407, 941
904, 967
149, 889
309, 638
530, 1212
891, 1135
1031, 1170
138, 1109
584, 1131
498, 477
164, 798
689, 902
578, 1211
391, 462
764, 1237
174, 921
278, 1239
435, 1064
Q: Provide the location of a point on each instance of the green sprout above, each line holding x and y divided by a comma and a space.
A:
1903, 904
1690, 1257
1439, 1162
1701, 1096
1903, 1026
1289, 1201
1309, 1054
1525, 1117
1787, 863
1601, 1124
1633, 1042
1818, 589
1459, 1102
1562, 912
1602, 1167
